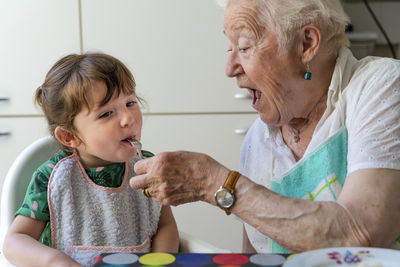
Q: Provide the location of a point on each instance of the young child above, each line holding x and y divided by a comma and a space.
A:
79, 203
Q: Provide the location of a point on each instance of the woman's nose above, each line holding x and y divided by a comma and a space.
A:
233, 66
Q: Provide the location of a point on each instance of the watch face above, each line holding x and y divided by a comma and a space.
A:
224, 198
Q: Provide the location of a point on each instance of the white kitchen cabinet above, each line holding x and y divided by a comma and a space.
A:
218, 135
176, 50
34, 35
16, 134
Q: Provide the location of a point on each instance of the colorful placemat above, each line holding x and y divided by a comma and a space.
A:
189, 260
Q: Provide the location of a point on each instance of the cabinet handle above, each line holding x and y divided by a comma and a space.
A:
241, 131
5, 133
244, 95
4, 99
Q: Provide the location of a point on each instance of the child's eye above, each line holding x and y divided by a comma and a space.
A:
131, 103
106, 114
244, 49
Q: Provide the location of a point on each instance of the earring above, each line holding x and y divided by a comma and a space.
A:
308, 74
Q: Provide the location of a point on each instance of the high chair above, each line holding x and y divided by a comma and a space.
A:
17, 180
20, 174
18, 177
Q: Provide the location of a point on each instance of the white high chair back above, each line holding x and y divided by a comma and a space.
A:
17, 181
20, 174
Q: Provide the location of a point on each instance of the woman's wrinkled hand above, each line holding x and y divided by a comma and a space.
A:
174, 178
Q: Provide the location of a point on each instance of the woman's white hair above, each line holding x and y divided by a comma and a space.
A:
287, 17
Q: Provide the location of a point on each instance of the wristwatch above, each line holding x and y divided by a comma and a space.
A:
225, 196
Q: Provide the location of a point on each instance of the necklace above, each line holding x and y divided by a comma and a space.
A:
296, 136
296, 132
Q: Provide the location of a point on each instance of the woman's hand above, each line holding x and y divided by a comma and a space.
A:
174, 178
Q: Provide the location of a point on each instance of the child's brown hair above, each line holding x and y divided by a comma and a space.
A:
64, 91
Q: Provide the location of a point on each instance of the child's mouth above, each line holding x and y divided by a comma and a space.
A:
127, 140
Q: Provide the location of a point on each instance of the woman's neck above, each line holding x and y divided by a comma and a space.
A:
298, 132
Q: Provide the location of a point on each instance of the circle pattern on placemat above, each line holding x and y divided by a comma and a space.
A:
230, 259
120, 258
193, 259
267, 259
157, 258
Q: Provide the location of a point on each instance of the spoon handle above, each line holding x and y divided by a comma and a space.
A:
136, 144
139, 152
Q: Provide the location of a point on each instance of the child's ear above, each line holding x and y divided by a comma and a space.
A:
66, 137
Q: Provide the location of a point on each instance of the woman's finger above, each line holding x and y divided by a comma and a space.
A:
142, 166
138, 182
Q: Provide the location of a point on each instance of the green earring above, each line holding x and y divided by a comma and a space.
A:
308, 74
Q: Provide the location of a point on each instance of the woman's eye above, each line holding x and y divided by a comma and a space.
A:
106, 114
131, 103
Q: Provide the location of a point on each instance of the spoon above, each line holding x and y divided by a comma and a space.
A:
136, 144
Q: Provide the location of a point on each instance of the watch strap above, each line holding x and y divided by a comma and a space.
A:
228, 212
230, 184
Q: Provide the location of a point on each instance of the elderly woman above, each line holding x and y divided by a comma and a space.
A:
321, 165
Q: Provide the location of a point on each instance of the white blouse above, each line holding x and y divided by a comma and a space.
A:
370, 91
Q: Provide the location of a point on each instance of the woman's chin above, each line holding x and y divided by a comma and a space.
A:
268, 118
265, 118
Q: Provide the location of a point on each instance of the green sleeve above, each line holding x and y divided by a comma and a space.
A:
147, 154
35, 204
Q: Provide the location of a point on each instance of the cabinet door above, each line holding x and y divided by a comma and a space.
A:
176, 50
220, 136
15, 135
34, 34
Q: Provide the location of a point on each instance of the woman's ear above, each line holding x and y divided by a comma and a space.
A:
66, 137
311, 37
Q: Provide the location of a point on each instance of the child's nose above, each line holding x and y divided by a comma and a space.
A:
127, 119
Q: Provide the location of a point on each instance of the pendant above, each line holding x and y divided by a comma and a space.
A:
296, 138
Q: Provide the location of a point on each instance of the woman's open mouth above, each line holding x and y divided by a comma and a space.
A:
256, 97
